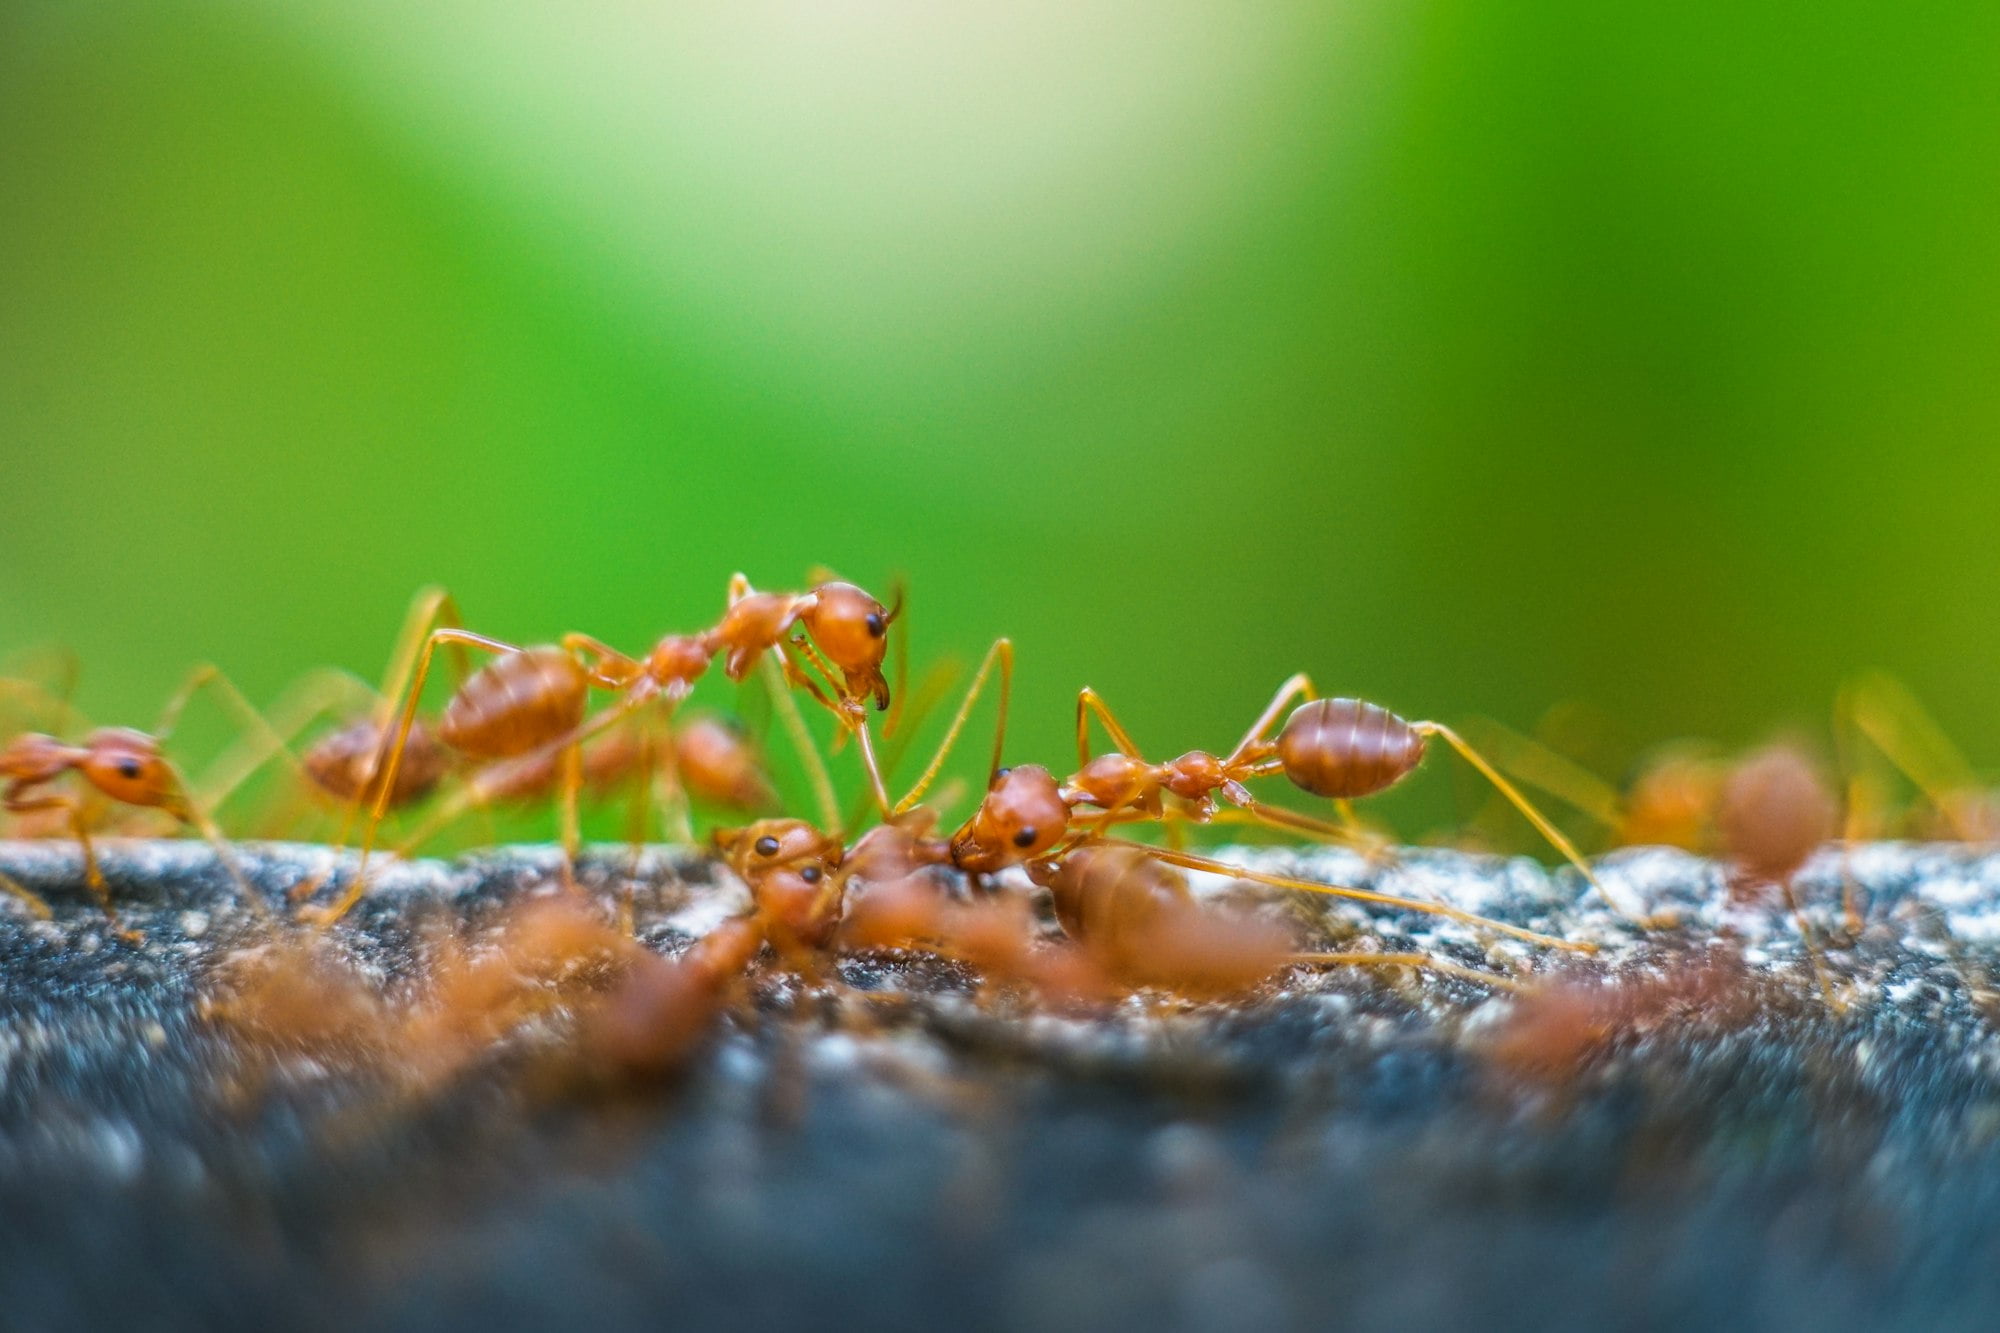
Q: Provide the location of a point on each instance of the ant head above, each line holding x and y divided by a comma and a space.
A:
1022, 816
852, 629
800, 903
128, 767
759, 850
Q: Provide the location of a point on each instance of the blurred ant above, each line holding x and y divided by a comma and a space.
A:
122, 766
1879, 710
1130, 922
1670, 802
1773, 813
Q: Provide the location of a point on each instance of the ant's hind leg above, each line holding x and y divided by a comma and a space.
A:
777, 680
93, 875
1878, 707
29, 898
1349, 831
384, 778
1541, 822
1189, 861
1002, 652
1422, 962
1300, 687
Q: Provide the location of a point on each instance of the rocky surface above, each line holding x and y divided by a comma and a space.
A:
1691, 1125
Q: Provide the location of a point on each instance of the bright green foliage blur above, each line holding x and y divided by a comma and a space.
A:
1475, 358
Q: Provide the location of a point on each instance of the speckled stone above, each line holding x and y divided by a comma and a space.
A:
894, 1150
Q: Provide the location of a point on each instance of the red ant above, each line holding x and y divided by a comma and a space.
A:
1131, 922
1343, 748
1774, 812
123, 766
532, 700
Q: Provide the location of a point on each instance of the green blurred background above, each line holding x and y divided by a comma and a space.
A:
1476, 358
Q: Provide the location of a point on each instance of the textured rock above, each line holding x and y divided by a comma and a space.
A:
1681, 1130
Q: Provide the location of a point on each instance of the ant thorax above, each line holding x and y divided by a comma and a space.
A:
1112, 781
34, 758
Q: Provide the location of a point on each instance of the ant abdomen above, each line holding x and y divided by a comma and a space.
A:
343, 763
1347, 748
516, 703
1104, 894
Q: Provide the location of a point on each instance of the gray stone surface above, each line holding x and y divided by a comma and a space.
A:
1347, 1148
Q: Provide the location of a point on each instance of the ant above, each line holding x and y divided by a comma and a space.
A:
1773, 813
1880, 710
1130, 922
123, 766
530, 701
1342, 748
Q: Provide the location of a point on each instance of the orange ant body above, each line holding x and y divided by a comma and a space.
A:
1774, 812
123, 766
532, 701
1342, 748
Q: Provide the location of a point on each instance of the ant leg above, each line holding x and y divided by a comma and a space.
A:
571, 824
1533, 816
1299, 686
270, 741
430, 608
894, 721
852, 718
614, 670
1189, 861
1423, 962
93, 875
1812, 952
1556, 774
318, 694
1002, 652
1881, 709
432, 612
669, 792
62, 715
29, 898
191, 811
1089, 701
1349, 832
384, 779
787, 710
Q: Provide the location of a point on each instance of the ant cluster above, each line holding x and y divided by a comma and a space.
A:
520, 729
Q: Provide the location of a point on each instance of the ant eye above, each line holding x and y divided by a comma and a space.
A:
811, 874
1026, 837
767, 846
875, 624
128, 767
1000, 774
